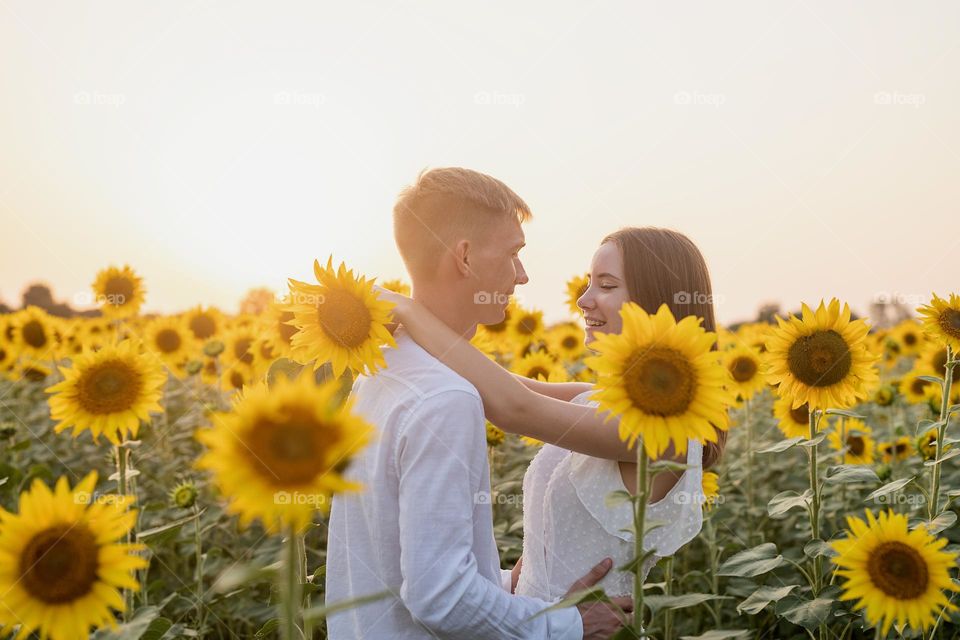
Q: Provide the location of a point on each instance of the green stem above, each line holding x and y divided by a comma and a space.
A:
121, 452
198, 543
750, 493
640, 511
815, 501
933, 503
668, 613
303, 569
290, 600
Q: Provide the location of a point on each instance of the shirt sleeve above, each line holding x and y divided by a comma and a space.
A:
441, 455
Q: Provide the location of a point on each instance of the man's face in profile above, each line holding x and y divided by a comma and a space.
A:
497, 269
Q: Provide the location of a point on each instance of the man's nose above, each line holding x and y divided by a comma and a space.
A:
522, 274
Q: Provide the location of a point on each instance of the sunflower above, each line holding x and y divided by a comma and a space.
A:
62, 562
97, 332
238, 347
397, 286
576, 287
526, 327
33, 333
204, 324
566, 340
169, 340
858, 445
896, 575
941, 320
793, 423
32, 370
341, 320
108, 392
822, 358
495, 435
926, 444
901, 448
742, 363
885, 395
537, 365
277, 327
119, 292
711, 488
278, 455
236, 376
8, 353
933, 359
915, 389
909, 335
662, 378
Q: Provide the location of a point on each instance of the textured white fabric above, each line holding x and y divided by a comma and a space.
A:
423, 526
568, 528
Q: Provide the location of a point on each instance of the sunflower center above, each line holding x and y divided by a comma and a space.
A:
940, 360
950, 322
109, 387
660, 381
909, 339
743, 368
820, 359
917, 385
241, 350
33, 374
118, 291
898, 570
59, 564
527, 325
344, 318
202, 326
266, 351
570, 342
286, 331
801, 414
236, 379
168, 340
33, 334
538, 371
290, 452
856, 445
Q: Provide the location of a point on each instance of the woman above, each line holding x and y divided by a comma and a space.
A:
566, 522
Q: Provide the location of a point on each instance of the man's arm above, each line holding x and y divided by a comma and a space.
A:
441, 455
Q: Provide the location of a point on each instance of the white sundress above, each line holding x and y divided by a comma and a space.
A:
568, 528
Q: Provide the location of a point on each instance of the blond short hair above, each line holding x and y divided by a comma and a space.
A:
444, 206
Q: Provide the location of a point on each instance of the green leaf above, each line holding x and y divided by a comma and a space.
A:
845, 413
315, 613
594, 594
851, 473
718, 634
817, 548
752, 562
786, 500
806, 613
781, 446
166, 531
656, 603
814, 441
158, 627
269, 629
946, 456
763, 596
942, 522
666, 465
616, 498
890, 487
934, 379
133, 630
926, 425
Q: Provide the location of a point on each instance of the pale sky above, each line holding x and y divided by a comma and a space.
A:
811, 149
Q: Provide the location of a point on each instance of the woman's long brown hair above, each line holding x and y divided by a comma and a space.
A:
664, 266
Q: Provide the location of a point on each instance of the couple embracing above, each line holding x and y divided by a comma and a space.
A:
421, 527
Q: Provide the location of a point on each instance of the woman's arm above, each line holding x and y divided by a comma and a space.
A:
507, 402
559, 390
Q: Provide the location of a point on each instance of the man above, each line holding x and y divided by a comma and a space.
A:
422, 527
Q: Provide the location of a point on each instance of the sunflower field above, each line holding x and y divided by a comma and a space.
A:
170, 476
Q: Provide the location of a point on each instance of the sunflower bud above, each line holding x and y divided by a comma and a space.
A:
184, 495
885, 395
193, 367
883, 472
213, 348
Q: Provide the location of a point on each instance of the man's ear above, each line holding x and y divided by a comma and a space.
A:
461, 255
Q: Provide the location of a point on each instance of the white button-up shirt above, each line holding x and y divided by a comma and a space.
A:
423, 526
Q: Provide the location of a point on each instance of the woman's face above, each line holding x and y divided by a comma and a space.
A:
605, 294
